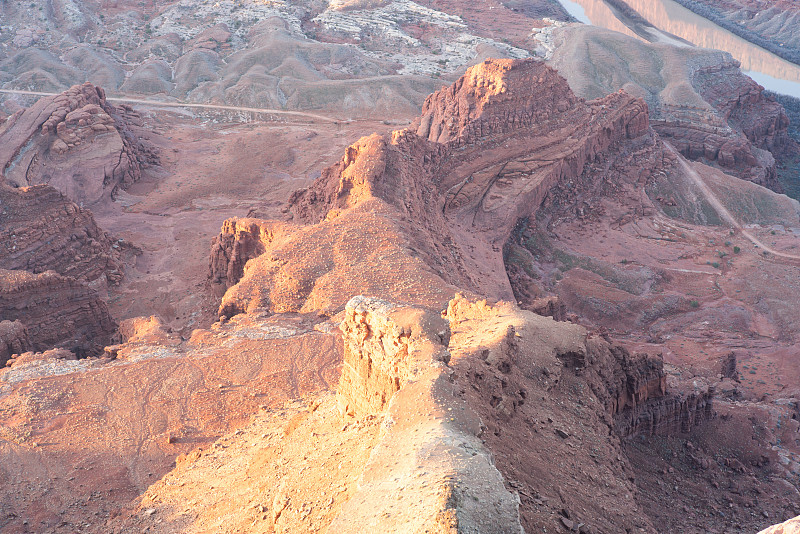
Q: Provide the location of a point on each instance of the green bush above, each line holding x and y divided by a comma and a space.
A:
694, 304
736, 250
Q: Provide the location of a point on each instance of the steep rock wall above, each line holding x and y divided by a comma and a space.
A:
13, 340
239, 240
58, 311
633, 387
41, 230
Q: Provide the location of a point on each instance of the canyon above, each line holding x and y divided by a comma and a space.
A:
553, 294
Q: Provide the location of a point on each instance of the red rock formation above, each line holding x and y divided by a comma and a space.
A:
633, 387
743, 104
699, 99
13, 340
378, 338
485, 153
503, 137
747, 119
41, 230
41, 145
58, 311
239, 241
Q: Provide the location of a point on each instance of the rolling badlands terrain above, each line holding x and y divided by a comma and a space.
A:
401, 267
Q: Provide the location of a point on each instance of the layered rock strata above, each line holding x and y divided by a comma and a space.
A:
42, 230
58, 311
633, 387
40, 144
442, 197
546, 391
698, 99
378, 355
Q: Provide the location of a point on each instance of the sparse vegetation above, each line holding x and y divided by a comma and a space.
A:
736, 249
694, 304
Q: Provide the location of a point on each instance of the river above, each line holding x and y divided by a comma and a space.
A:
771, 71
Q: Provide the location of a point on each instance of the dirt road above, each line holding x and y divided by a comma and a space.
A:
721, 209
129, 100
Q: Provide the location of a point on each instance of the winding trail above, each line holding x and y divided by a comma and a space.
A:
128, 100
721, 209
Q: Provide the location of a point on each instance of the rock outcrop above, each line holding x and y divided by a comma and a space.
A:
442, 197
53, 259
40, 145
395, 363
633, 387
58, 311
743, 104
532, 382
13, 340
239, 241
42, 230
698, 99
380, 353
402, 223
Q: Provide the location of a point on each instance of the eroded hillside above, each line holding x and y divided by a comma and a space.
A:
338, 367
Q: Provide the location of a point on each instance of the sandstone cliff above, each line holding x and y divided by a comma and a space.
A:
58, 311
395, 360
42, 230
40, 145
50, 249
441, 198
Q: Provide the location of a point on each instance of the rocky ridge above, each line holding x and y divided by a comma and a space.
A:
58, 311
466, 188
485, 153
705, 106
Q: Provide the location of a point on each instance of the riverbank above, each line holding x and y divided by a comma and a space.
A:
718, 18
